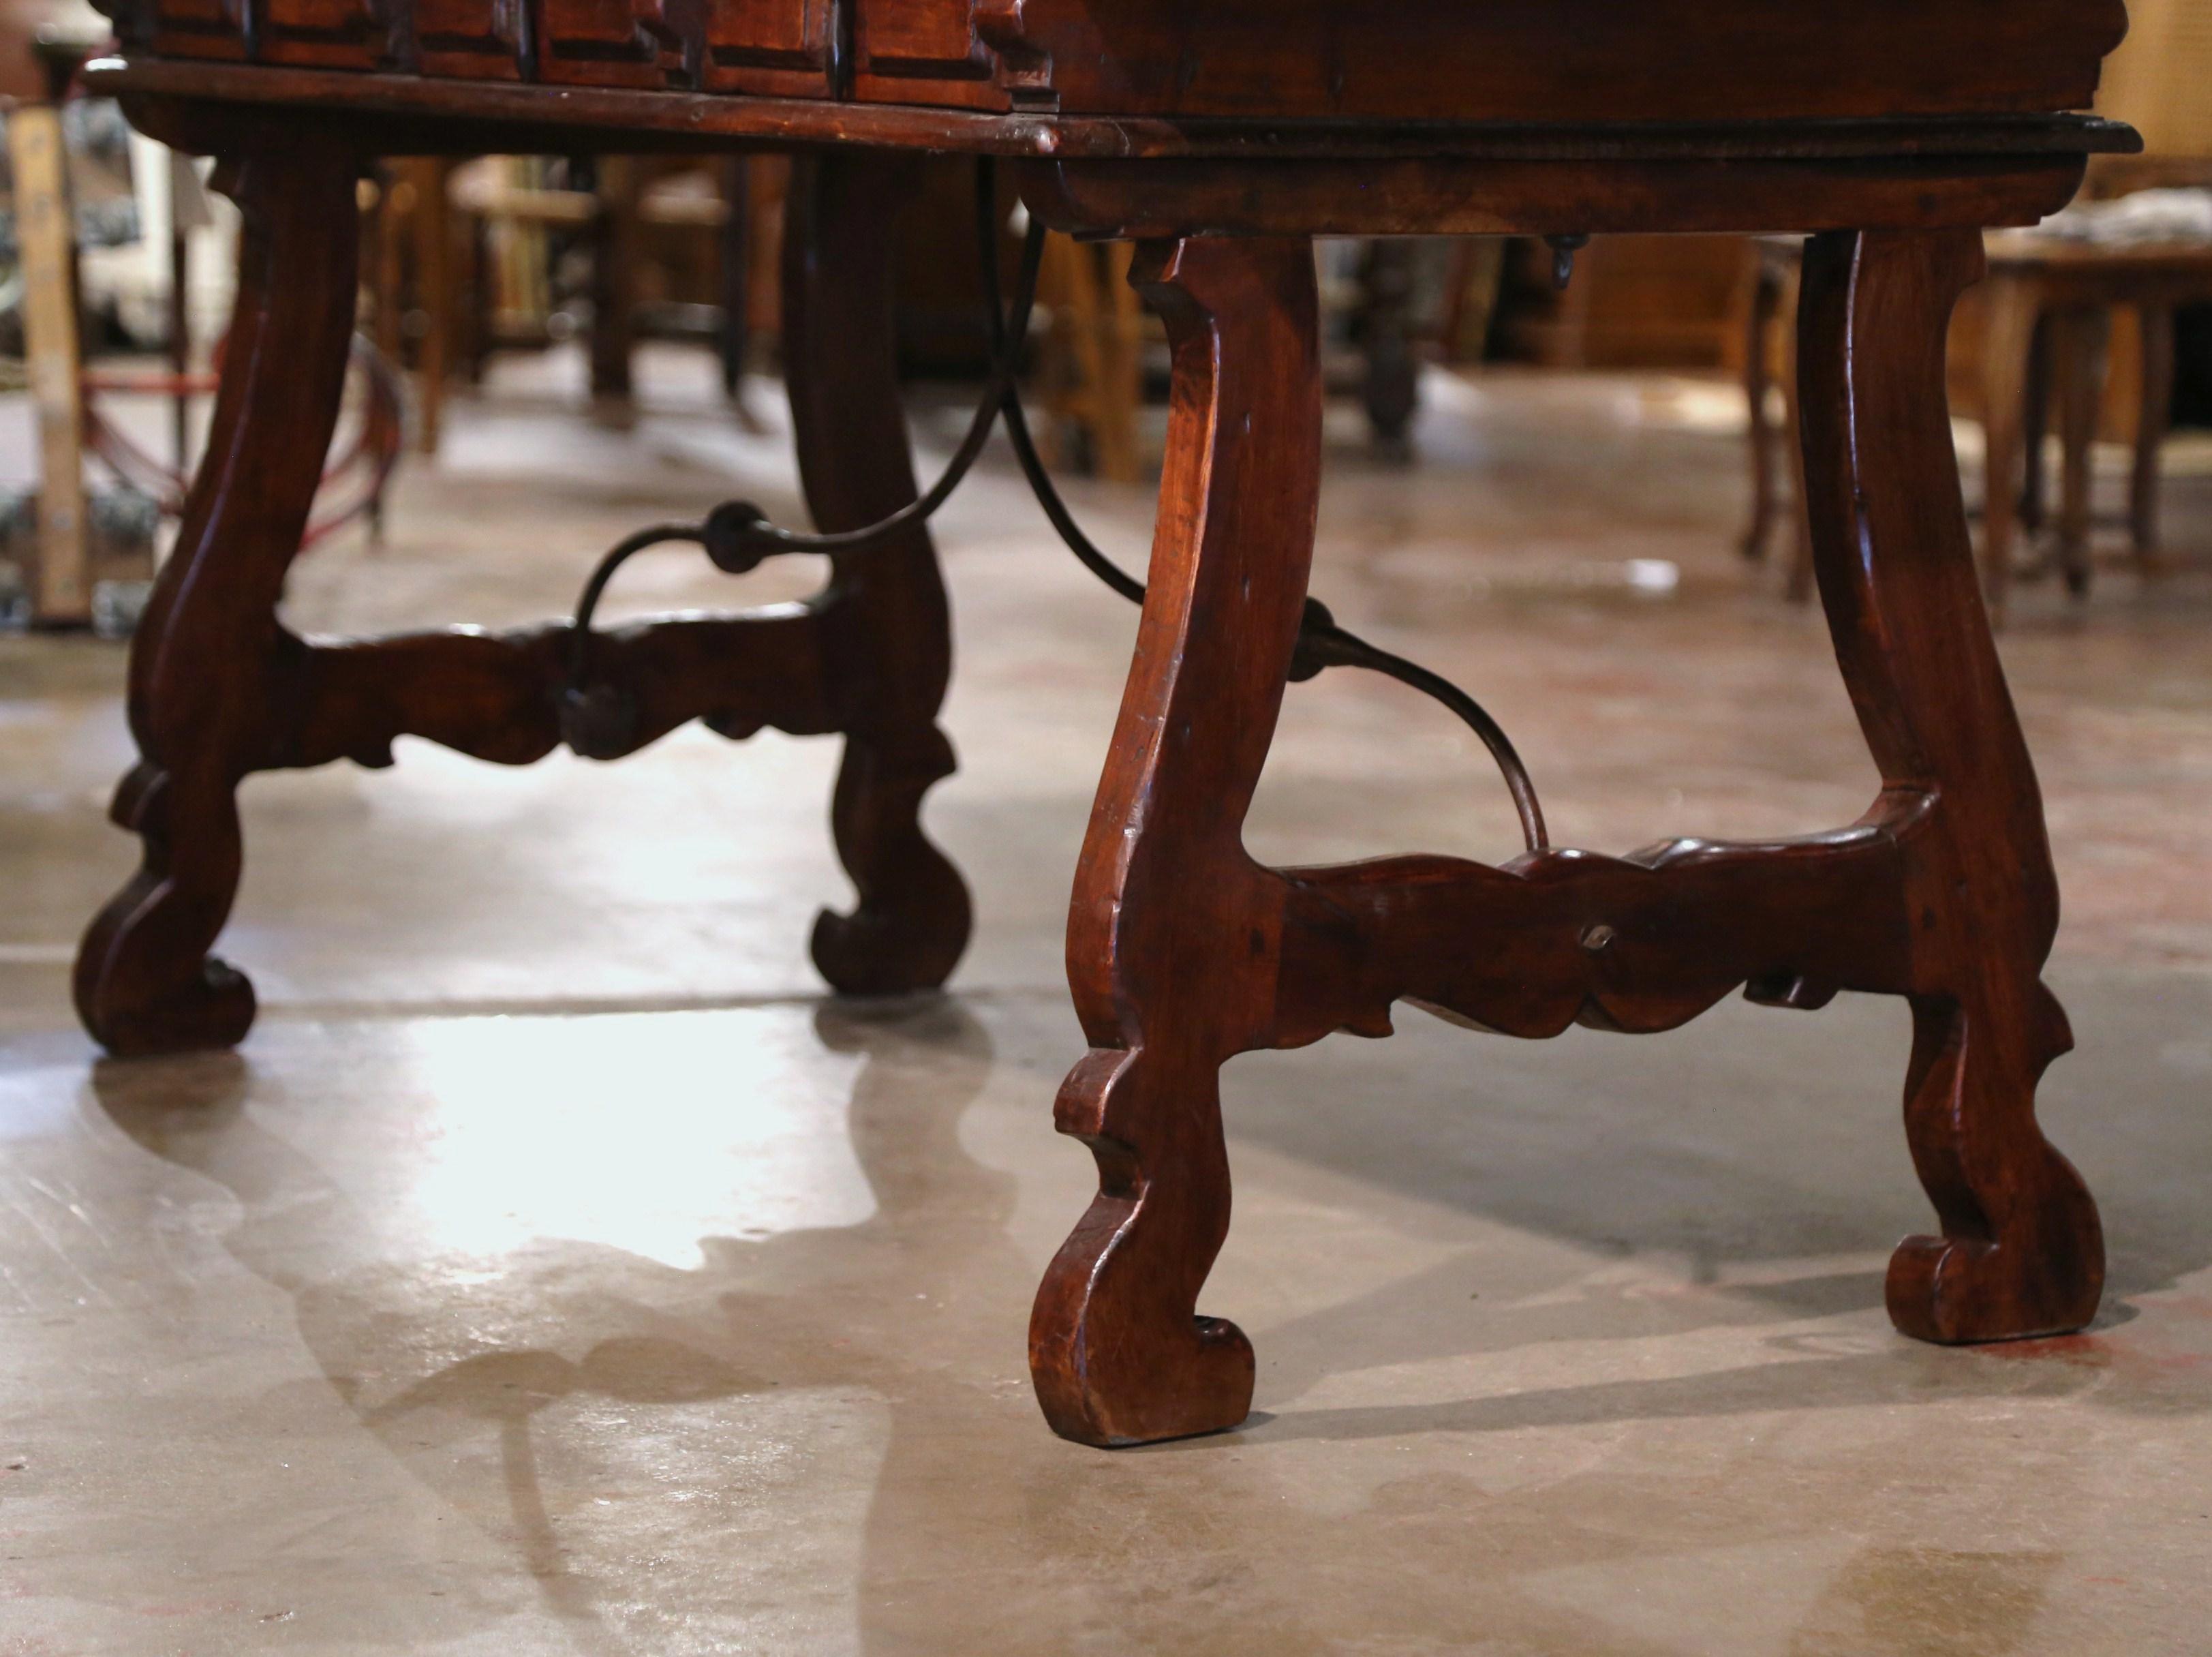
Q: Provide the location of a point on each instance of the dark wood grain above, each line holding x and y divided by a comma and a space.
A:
1635, 945
1658, 60
779, 48
1223, 137
1182, 952
496, 696
470, 39
390, 114
204, 664
2021, 1252
1455, 195
1410, 60
891, 656
327, 34
220, 689
1174, 930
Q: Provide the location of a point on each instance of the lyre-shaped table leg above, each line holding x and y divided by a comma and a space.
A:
2021, 1252
1173, 929
888, 631
208, 666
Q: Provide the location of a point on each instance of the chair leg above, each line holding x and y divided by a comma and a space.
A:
2035, 417
2021, 1252
889, 638
2152, 421
1391, 388
733, 280
1799, 590
1762, 306
616, 250
2087, 338
1173, 930
2008, 341
211, 667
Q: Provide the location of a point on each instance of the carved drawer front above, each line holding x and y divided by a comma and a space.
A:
922, 52
324, 34
780, 47
471, 40
199, 28
639, 43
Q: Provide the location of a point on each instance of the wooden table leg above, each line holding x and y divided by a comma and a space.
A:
2021, 1252
889, 644
210, 662
1173, 929
1182, 951
220, 689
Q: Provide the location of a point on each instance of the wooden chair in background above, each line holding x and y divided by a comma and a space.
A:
2035, 344
2079, 332
1090, 379
2047, 328
464, 259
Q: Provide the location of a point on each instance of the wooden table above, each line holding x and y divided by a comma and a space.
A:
1221, 136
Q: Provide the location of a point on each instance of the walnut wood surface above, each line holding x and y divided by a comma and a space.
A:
390, 114
2021, 1252
204, 684
891, 656
1498, 60
1661, 60
220, 689
1223, 137
1183, 952
1174, 930
1452, 196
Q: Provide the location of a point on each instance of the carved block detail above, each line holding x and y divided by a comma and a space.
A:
1023, 68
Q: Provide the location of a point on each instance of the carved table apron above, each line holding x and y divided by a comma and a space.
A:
1221, 138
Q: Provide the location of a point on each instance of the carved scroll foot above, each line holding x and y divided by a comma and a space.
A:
1174, 932
208, 663
889, 651
1118, 1353
145, 982
2021, 1252
911, 926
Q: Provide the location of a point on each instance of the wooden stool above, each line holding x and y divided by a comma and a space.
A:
2047, 309
2068, 291
1093, 370
1220, 140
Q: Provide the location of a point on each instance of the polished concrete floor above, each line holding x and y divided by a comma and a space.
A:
556, 1270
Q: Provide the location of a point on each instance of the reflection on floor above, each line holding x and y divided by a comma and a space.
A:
556, 1271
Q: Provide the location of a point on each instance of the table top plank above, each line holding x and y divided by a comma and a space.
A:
1372, 62
427, 115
